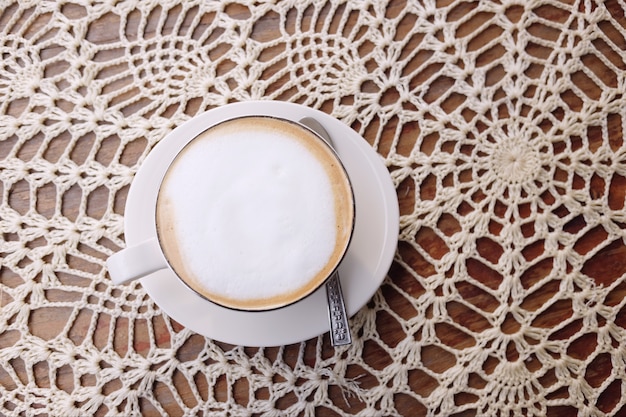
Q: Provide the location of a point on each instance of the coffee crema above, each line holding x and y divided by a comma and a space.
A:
255, 213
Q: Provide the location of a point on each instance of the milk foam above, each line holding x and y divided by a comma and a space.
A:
257, 220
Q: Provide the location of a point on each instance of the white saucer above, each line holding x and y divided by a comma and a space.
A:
362, 270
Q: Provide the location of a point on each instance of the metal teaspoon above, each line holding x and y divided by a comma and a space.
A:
339, 327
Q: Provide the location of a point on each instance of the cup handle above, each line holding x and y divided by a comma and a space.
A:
136, 261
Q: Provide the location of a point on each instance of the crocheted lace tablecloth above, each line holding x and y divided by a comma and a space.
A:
501, 124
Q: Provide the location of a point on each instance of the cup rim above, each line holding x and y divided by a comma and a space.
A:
345, 247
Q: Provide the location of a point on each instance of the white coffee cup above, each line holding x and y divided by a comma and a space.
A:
254, 213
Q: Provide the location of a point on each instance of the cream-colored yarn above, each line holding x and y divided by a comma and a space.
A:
501, 123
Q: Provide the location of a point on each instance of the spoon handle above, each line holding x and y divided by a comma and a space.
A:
339, 327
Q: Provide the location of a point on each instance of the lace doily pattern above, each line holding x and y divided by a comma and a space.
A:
501, 123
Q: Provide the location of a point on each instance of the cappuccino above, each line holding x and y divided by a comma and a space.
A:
255, 213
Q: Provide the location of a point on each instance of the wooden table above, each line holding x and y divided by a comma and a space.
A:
133, 337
